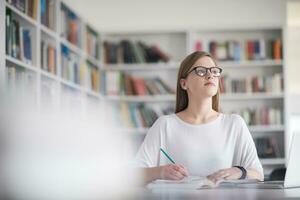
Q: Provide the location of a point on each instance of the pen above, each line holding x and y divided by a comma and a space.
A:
165, 153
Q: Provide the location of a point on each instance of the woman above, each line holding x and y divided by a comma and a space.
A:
201, 140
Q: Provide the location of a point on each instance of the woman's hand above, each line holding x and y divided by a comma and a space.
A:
173, 172
228, 174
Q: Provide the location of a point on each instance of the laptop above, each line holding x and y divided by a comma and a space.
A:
292, 176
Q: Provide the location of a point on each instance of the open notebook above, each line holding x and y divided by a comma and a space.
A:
195, 182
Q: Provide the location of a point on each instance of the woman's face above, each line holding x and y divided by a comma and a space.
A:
201, 87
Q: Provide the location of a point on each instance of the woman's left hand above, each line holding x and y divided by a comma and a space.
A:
228, 174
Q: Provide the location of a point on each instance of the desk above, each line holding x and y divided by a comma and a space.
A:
226, 194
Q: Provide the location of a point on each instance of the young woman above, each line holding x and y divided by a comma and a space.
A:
201, 140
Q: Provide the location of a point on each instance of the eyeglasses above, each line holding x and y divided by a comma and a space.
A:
202, 71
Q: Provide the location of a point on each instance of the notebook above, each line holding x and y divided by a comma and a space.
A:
190, 182
195, 182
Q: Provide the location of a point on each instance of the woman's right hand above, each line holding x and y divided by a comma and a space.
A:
173, 172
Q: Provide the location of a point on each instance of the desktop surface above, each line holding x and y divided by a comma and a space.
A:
218, 193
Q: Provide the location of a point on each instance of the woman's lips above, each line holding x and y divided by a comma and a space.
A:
209, 84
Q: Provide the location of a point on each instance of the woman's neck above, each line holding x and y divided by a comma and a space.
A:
199, 111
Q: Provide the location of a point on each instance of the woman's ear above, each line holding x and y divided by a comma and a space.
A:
183, 84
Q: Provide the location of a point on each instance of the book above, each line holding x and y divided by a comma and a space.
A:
20, 82
191, 182
18, 39
70, 63
71, 26
140, 116
118, 83
233, 50
264, 115
252, 84
195, 183
48, 57
93, 77
92, 47
29, 7
127, 51
47, 9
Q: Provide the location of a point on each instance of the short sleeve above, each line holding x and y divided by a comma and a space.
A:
245, 152
148, 153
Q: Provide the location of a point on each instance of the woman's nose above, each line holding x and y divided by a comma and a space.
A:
208, 75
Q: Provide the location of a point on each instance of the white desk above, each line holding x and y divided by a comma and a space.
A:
226, 194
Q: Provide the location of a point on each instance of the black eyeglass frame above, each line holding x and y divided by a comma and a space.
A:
207, 69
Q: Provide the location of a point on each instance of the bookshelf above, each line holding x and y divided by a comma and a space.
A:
70, 56
47, 40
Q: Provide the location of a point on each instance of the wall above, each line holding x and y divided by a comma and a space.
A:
174, 14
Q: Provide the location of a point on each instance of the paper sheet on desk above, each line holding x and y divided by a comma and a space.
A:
235, 183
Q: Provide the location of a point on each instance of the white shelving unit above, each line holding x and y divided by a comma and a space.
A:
176, 43
42, 32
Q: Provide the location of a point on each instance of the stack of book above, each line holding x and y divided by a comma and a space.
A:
267, 147
48, 57
118, 83
262, 115
128, 51
92, 47
18, 39
47, 13
29, 7
233, 50
70, 26
70, 64
269, 84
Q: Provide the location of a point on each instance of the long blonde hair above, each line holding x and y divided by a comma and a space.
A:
182, 98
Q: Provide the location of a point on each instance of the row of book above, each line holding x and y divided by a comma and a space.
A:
267, 147
18, 39
262, 115
29, 7
70, 63
73, 69
127, 51
20, 83
47, 13
132, 118
48, 57
140, 115
71, 26
118, 83
92, 47
250, 84
247, 50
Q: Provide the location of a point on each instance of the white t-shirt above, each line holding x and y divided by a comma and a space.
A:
203, 149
